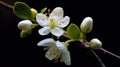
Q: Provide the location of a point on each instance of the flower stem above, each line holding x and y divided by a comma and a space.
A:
83, 37
6, 4
106, 51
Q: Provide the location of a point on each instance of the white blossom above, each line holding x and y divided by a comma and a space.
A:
53, 23
56, 50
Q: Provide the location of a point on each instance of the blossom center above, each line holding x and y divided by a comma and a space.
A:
53, 24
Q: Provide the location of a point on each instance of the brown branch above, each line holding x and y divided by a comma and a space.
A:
6, 4
106, 51
65, 36
85, 44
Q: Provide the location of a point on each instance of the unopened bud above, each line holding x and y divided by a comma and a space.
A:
25, 25
34, 12
86, 25
95, 44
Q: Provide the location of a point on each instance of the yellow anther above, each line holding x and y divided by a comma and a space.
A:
53, 24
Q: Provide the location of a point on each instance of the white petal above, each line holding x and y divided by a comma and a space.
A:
65, 53
51, 53
44, 30
57, 31
60, 46
42, 19
64, 22
66, 57
25, 25
46, 42
57, 14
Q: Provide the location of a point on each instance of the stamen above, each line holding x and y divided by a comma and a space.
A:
52, 24
57, 58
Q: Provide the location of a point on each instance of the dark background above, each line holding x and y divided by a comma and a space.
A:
24, 52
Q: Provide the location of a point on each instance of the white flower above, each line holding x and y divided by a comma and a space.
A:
95, 43
54, 23
56, 50
86, 25
25, 25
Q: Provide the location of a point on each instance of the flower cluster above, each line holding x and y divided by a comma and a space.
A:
54, 24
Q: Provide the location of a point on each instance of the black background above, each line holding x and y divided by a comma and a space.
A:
24, 52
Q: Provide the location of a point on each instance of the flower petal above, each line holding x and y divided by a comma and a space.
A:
57, 31
66, 57
42, 19
64, 22
46, 42
57, 14
60, 46
51, 53
44, 31
65, 53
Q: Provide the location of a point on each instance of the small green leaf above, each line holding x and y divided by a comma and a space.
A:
73, 31
22, 10
24, 34
43, 10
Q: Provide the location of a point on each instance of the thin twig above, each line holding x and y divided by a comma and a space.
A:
106, 51
6, 5
65, 36
85, 44
100, 61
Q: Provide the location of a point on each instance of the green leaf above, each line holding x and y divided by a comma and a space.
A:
22, 10
24, 34
43, 10
73, 31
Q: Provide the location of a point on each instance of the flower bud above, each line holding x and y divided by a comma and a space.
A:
25, 25
86, 25
34, 12
24, 34
95, 44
